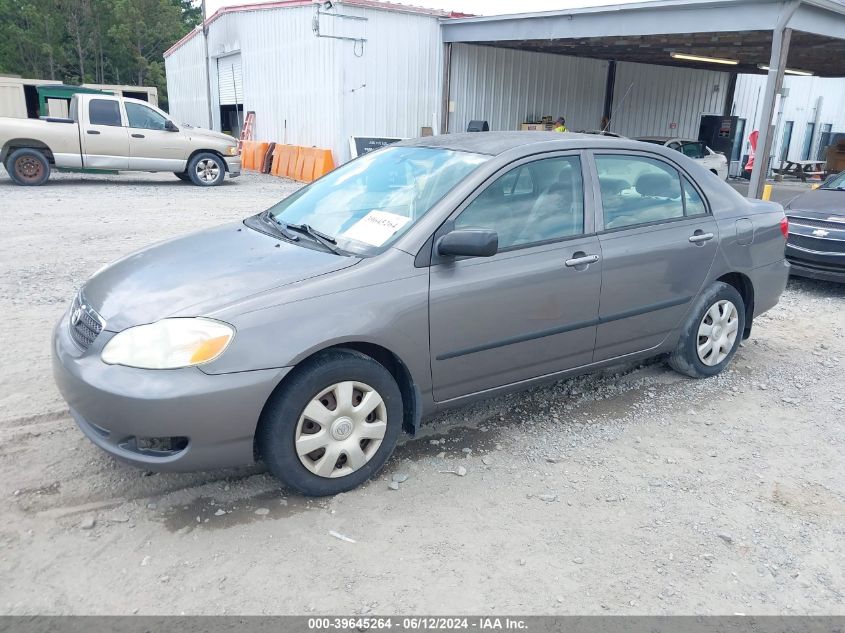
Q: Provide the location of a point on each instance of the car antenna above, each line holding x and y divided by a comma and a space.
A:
621, 103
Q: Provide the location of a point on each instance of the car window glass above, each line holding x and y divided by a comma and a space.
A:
636, 190
693, 150
144, 118
550, 204
104, 112
675, 145
692, 200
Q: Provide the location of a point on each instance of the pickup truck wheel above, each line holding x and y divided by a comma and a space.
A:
182, 175
28, 167
206, 170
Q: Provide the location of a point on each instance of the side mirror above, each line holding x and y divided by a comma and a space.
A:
469, 243
170, 126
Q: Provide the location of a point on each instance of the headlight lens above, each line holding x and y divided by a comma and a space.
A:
169, 344
232, 150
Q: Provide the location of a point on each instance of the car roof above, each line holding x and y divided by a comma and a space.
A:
495, 143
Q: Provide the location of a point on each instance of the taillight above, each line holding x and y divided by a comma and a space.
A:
784, 227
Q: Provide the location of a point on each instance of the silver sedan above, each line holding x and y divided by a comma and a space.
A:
416, 278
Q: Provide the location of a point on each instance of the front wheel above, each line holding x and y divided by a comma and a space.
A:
332, 425
711, 334
206, 169
28, 167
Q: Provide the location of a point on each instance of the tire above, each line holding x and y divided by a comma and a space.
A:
320, 385
723, 306
28, 167
206, 169
182, 175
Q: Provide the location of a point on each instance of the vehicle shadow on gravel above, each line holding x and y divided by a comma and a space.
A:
816, 287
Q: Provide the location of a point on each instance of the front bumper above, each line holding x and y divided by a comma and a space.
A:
233, 166
120, 409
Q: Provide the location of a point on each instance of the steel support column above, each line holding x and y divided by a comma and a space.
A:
446, 87
781, 36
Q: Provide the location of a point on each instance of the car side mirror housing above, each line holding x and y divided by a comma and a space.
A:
170, 126
469, 243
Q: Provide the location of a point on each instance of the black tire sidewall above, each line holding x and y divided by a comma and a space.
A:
277, 427
192, 169
18, 153
718, 292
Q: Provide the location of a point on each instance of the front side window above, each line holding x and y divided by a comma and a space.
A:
535, 202
144, 118
637, 190
369, 202
104, 112
694, 150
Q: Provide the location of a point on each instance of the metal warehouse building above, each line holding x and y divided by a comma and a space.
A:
313, 76
317, 73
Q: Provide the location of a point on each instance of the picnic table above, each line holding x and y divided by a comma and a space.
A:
801, 168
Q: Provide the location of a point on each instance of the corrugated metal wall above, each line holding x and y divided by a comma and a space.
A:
310, 90
659, 96
186, 93
799, 106
506, 87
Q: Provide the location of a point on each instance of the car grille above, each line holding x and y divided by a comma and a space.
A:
820, 245
818, 224
85, 323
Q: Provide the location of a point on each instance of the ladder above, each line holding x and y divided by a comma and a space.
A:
246, 130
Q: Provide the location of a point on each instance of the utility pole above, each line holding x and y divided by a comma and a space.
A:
207, 69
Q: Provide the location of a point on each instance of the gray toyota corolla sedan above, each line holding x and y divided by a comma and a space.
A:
415, 278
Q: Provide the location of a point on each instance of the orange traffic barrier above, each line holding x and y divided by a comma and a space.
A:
259, 149
284, 160
323, 162
247, 154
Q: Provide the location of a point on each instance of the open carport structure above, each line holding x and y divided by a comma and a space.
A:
722, 37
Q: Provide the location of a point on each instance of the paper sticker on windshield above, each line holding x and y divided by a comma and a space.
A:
376, 227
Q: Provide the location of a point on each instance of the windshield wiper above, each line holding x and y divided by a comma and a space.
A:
278, 227
318, 236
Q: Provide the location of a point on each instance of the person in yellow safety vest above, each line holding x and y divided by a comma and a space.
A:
560, 125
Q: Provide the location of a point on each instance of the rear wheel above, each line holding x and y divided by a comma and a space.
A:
28, 167
711, 334
332, 425
206, 169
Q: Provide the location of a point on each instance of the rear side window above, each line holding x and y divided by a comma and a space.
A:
693, 203
694, 150
638, 190
104, 112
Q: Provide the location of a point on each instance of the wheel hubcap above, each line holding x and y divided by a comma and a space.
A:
717, 332
341, 429
207, 170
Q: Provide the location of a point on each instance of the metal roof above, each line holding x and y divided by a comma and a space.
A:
647, 32
287, 4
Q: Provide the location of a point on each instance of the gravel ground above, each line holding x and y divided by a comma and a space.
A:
628, 492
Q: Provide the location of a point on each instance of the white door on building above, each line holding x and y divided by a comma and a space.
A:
231, 93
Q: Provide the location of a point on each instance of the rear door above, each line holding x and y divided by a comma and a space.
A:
531, 309
151, 146
658, 241
105, 140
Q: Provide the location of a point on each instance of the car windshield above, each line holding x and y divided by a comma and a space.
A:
837, 182
369, 202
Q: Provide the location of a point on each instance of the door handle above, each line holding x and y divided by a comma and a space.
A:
93, 131
699, 237
137, 136
581, 260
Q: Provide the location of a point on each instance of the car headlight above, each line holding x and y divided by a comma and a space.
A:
169, 343
232, 150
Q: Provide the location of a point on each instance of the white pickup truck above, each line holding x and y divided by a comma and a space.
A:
115, 133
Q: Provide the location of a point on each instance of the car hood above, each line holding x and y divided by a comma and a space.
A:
199, 132
200, 273
819, 202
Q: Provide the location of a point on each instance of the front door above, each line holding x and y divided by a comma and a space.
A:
105, 142
658, 243
151, 146
531, 309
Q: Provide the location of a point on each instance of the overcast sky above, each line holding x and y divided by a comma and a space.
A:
478, 7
